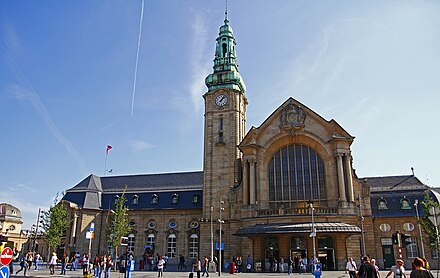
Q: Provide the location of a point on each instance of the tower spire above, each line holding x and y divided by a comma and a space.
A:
226, 74
226, 11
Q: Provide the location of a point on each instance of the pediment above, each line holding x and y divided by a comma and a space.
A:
292, 118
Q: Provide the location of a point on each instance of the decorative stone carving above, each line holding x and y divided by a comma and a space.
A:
292, 117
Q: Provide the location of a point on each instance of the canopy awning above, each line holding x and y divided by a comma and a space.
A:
277, 228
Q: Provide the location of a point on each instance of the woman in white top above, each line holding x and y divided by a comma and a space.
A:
52, 263
160, 265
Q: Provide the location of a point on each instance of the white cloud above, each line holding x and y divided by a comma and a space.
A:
139, 146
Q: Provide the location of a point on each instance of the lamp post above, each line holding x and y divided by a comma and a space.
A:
313, 233
362, 225
220, 221
212, 236
34, 245
416, 202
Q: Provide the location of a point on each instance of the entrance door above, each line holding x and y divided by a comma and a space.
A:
297, 255
388, 256
327, 258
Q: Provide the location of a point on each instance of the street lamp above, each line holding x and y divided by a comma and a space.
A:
212, 236
416, 202
313, 233
220, 221
34, 245
362, 225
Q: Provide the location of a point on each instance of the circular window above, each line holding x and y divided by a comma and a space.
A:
11, 228
194, 224
385, 227
172, 224
152, 225
408, 227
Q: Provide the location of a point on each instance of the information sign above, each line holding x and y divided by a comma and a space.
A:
4, 271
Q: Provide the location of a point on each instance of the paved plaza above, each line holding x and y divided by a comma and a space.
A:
184, 274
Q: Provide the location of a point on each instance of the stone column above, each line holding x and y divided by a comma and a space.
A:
245, 183
341, 179
252, 182
349, 178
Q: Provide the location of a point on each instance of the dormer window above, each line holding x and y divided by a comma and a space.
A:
405, 203
196, 198
155, 199
382, 204
175, 198
135, 199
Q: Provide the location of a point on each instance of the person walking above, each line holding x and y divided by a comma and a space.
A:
420, 271
52, 263
367, 270
398, 270
351, 268
160, 266
373, 262
205, 265
23, 266
64, 261
108, 266
290, 264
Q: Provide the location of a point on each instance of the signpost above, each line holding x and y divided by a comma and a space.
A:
4, 271
6, 256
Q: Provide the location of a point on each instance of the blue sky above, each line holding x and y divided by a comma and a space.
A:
67, 69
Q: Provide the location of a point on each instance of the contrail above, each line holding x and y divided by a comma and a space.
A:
137, 57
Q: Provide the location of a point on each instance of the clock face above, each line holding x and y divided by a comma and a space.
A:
221, 100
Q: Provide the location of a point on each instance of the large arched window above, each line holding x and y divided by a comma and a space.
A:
171, 246
194, 246
296, 173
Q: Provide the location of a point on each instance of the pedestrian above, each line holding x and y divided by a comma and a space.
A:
108, 266
290, 264
351, 268
205, 265
398, 270
419, 271
52, 263
23, 266
373, 262
249, 264
281, 268
160, 266
367, 270
37, 260
64, 261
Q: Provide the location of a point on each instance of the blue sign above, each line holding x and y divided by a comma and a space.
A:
4, 271
92, 227
223, 246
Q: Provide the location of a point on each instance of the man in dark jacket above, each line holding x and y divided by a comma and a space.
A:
367, 270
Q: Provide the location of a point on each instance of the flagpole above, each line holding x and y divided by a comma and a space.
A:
105, 165
109, 147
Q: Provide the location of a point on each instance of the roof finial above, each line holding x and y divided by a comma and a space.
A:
226, 12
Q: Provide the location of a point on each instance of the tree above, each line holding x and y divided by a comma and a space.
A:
56, 224
119, 225
427, 226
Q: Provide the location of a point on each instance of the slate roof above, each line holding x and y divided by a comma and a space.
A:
100, 192
393, 183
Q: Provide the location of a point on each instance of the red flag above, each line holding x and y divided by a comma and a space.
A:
108, 148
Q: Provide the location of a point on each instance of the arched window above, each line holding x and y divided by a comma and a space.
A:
382, 204
296, 173
130, 246
194, 246
151, 239
171, 246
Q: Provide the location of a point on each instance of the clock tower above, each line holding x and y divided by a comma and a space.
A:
225, 127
